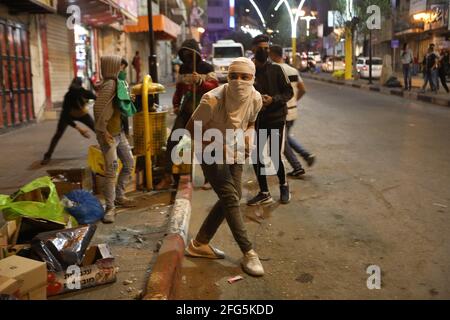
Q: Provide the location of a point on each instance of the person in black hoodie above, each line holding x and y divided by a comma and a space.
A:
202, 80
73, 109
276, 91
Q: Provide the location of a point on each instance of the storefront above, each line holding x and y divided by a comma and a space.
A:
16, 78
166, 31
100, 32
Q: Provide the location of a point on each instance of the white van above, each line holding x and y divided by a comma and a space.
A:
225, 51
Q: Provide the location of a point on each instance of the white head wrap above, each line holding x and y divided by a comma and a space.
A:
240, 94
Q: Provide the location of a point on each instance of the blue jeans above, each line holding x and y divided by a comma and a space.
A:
119, 149
407, 76
431, 77
294, 144
289, 152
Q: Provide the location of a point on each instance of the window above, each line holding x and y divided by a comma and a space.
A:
215, 20
227, 52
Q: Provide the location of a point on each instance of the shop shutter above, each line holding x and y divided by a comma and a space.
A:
16, 93
60, 55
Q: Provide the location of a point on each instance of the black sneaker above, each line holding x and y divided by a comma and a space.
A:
297, 173
261, 198
285, 195
310, 160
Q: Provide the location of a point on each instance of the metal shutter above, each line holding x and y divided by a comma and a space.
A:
60, 56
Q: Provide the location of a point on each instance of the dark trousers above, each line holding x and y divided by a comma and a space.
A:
442, 76
274, 154
64, 121
226, 182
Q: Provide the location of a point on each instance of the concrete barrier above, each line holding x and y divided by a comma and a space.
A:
166, 273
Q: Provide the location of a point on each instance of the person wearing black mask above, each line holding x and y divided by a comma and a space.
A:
276, 91
198, 77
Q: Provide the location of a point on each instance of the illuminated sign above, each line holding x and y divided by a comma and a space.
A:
232, 23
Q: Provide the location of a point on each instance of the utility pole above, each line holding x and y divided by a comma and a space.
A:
334, 39
370, 56
152, 60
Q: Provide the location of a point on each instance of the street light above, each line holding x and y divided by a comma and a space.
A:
294, 21
308, 20
258, 12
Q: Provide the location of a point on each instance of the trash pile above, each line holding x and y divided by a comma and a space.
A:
45, 240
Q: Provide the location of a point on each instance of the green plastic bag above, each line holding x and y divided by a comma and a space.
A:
51, 209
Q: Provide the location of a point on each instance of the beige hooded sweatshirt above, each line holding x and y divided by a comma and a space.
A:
106, 113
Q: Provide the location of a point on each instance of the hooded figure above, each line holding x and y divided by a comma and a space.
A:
106, 113
111, 135
206, 78
232, 106
74, 109
198, 76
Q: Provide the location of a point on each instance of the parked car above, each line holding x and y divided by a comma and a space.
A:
224, 52
362, 66
339, 64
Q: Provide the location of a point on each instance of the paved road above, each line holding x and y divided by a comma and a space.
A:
379, 195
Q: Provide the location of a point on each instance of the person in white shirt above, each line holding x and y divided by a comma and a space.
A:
407, 60
234, 106
291, 145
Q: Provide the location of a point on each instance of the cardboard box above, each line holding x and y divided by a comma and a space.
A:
31, 273
35, 195
37, 294
98, 268
9, 286
67, 180
28, 228
3, 241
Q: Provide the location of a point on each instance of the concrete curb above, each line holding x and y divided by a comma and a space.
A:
165, 276
388, 91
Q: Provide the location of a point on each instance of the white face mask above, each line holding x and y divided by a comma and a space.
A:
240, 89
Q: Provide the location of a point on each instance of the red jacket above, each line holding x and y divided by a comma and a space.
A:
184, 86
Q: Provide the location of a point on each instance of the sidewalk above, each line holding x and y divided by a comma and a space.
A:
441, 98
134, 238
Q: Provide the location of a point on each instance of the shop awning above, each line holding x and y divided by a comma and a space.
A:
408, 32
164, 28
99, 13
31, 6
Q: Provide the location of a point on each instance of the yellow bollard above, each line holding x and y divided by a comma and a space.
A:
348, 54
148, 154
294, 52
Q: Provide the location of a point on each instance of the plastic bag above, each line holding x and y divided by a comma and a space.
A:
63, 248
51, 209
96, 161
85, 207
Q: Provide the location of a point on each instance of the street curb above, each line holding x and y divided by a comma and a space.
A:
387, 91
165, 276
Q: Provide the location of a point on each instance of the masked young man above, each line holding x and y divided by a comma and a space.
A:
232, 106
276, 91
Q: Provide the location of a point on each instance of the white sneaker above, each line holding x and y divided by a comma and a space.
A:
110, 216
250, 263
